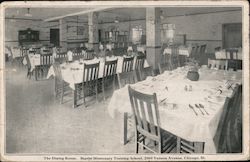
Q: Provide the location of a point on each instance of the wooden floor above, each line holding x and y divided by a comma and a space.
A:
37, 123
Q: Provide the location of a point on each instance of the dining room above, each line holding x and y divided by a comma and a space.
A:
124, 79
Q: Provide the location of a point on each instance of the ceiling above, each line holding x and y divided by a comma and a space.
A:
110, 14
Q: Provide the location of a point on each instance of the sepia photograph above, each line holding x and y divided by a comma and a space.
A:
124, 81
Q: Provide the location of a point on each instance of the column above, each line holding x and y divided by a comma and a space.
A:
153, 36
93, 30
63, 34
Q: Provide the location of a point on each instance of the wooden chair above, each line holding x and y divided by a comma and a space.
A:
124, 78
196, 54
139, 62
228, 137
61, 55
109, 75
163, 67
202, 49
127, 64
174, 62
233, 59
192, 54
144, 73
234, 123
29, 73
60, 60
41, 70
147, 123
88, 56
184, 146
219, 64
90, 77
217, 49
166, 58
60, 85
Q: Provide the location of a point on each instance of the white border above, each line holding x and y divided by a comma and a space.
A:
113, 4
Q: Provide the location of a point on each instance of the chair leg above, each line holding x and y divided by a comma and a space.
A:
96, 92
143, 142
178, 145
103, 92
62, 94
84, 101
136, 142
159, 147
75, 97
114, 84
36, 73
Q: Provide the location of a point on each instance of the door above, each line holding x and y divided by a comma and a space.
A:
55, 37
232, 35
100, 35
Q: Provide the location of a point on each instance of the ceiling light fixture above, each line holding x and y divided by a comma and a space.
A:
28, 14
161, 15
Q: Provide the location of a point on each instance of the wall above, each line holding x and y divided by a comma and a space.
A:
123, 26
12, 28
204, 28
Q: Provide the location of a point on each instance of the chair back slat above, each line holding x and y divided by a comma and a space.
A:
61, 55
139, 63
145, 72
57, 70
151, 120
143, 116
90, 72
174, 61
46, 59
88, 55
28, 61
166, 58
146, 113
219, 64
110, 68
193, 51
126, 78
197, 51
163, 67
128, 63
230, 54
203, 49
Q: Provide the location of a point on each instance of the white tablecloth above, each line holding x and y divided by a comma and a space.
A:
182, 121
16, 52
223, 55
181, 51
34, 60
75, 75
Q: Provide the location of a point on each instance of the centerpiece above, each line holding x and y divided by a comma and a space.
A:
193, 68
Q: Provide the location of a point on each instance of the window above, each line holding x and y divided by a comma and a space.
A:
136, 35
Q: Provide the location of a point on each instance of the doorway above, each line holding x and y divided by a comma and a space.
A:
232, 35
55, 37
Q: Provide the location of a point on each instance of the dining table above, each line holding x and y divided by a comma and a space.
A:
34, 61
176, 94
72, 73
